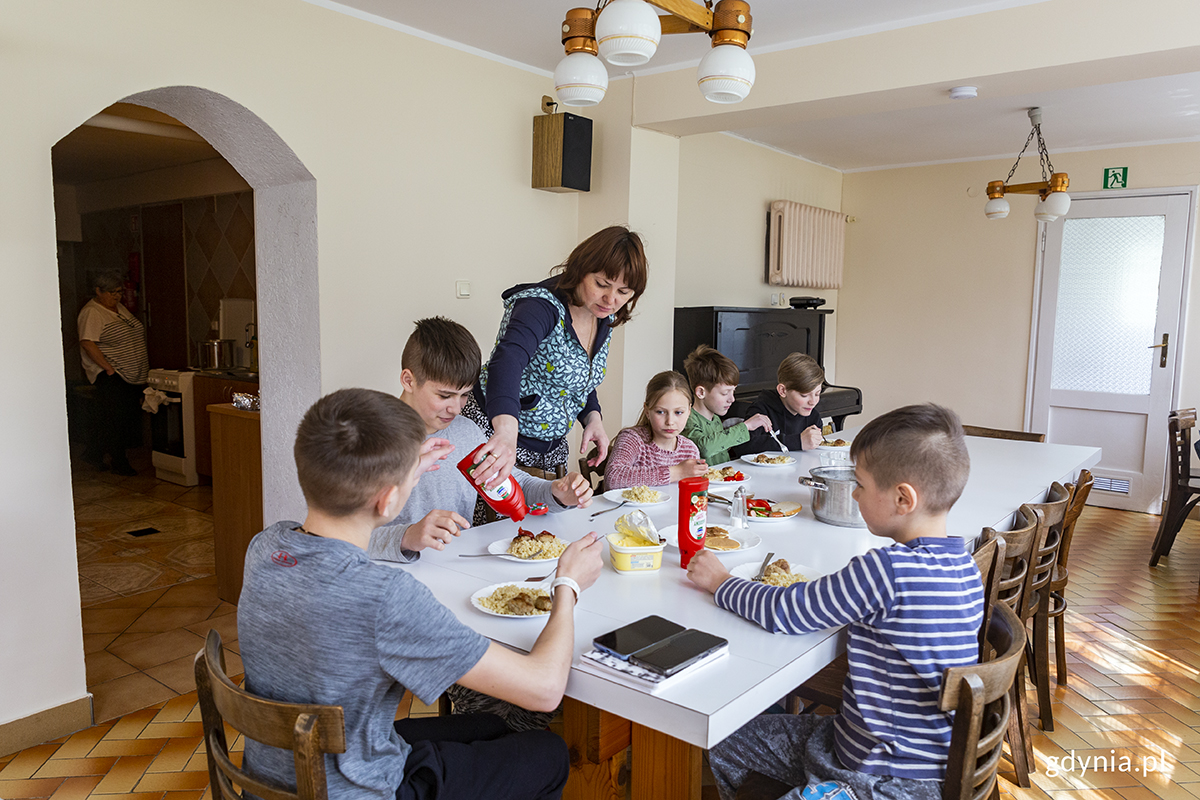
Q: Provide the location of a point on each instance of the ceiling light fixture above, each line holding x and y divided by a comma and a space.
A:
626, 33
1052, 188
964, 92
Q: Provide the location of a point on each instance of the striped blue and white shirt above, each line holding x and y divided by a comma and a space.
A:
913, 610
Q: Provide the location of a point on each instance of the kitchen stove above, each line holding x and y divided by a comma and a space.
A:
173, 427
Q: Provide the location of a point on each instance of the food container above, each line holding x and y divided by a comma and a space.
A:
216, 354
627, 560
832, 501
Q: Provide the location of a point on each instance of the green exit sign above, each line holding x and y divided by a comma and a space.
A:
1116, 177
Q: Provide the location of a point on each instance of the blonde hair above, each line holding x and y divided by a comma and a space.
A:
659, 385
800, 373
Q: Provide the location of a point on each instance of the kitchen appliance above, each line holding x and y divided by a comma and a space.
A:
832, 501
236, 321
216, 354
173, 428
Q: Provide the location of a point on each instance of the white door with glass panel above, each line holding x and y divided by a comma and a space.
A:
1107, 330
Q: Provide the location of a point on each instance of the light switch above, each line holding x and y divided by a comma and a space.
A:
462, 289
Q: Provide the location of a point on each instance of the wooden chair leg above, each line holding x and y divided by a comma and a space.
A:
1060, 648
1167, 530
1041, 657
1016, 735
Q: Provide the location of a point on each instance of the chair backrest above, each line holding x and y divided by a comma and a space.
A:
1179, 428
998, 433
587, 471
1079, 495
980, 699
989, 557
310, 731
1041, 567
1019, 543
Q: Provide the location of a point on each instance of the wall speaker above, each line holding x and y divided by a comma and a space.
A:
562, 153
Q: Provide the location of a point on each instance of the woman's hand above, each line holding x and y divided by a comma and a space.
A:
593, 431
432, 451
572, 490
810, 437
706, 571
581, 560
496, 459
435, 530
692, 468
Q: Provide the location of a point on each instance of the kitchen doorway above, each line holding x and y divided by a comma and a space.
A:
1105, 354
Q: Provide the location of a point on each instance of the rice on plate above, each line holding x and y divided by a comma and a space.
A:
506, 601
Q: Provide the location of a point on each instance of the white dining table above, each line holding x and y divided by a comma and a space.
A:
670, 728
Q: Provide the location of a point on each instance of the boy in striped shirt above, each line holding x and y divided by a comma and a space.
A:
913, 609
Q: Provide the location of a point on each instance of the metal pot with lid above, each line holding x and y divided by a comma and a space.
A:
832, 496
216, 354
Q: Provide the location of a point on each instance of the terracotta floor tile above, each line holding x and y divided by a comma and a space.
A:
27, 762
80, 745
225, 625
69, 767
104, 666
18, 790
160, 619
159, 730
158, 649
129, 693
190, 594
179, 674
183, 796
76, 788
178, 709
139, 600
124, 776
176, 755
129, 747
172, 781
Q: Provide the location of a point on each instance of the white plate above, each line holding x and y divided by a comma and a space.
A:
749, 540
614, 495
843, 448
772, 520
500, 548
749, 570
487, 590
750, 460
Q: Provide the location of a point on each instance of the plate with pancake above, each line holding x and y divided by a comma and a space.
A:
717, 535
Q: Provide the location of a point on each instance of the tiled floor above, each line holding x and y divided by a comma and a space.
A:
1134, 690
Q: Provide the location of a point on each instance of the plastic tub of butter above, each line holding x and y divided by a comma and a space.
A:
628, 558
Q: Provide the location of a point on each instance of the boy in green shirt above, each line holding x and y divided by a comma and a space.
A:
713, 378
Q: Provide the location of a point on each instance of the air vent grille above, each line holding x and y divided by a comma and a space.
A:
1118, 485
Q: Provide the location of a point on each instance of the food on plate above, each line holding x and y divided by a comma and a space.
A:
518, 601
536, 547
763, 458
765, 508
836, 443
717, 538
641, 494
725, 474
779, 573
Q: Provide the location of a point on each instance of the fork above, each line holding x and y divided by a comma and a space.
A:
542, 581
498, 555
606, 510
775, 436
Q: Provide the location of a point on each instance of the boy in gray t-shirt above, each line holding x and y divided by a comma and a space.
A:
318, 622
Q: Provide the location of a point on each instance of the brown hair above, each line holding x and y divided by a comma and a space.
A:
706, 366
660, 384
441, 350
353, 443
800, 373
922, 445
618, 253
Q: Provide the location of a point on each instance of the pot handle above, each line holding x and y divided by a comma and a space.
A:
810, 483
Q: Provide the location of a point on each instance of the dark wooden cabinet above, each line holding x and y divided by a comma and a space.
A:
208, 390
237, 492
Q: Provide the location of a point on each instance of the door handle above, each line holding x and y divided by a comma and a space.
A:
1162, 357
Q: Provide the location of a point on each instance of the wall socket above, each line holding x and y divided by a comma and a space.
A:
778, 299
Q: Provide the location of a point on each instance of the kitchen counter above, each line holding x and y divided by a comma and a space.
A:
249, 376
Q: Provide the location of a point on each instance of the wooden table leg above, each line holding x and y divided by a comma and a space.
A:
664, 768
598, 741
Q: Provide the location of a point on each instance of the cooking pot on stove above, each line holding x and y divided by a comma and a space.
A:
216, 354
832, 501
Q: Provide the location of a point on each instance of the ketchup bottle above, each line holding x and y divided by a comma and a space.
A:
506, 499
693, 517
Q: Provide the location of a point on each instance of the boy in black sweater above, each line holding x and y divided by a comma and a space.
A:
791, 406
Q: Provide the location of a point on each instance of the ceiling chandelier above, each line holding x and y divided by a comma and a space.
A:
626, 33
1052, 188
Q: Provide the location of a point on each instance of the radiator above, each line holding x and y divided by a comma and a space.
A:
805, 246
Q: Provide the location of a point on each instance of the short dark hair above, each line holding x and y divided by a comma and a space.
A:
618, 253
706, 366
922, 445
800, 372
441, 350
353, 443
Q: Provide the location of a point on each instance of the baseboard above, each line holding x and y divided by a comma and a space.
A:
53, 723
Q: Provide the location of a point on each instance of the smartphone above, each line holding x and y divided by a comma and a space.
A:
624, 642
678, 652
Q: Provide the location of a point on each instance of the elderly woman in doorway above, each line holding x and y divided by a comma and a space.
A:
551, 354
112, 346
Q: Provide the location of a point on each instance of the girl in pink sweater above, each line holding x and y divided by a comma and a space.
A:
654, 452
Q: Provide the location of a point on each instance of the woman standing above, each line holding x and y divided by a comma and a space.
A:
551, 353
112, 346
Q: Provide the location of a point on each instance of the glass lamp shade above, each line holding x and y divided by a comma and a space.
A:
726, 74
580, 79
996, 208
627, 32
1056, 203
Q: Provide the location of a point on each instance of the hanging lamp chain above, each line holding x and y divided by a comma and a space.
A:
1012, 171
1044, 155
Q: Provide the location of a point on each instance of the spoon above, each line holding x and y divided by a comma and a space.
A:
763, 569
605, 511
783, 446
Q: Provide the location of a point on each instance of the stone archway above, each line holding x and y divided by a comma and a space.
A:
285, 250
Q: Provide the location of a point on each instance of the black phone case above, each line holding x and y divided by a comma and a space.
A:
646, 632
695, 646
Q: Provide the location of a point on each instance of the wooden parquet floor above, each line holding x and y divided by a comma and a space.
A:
1133, 694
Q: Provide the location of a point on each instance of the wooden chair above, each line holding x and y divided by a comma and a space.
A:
309, 731
1036, 607
981, 700
1020, 544
1183, 491
989, 557
998, 433
1058, 584
587, 471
